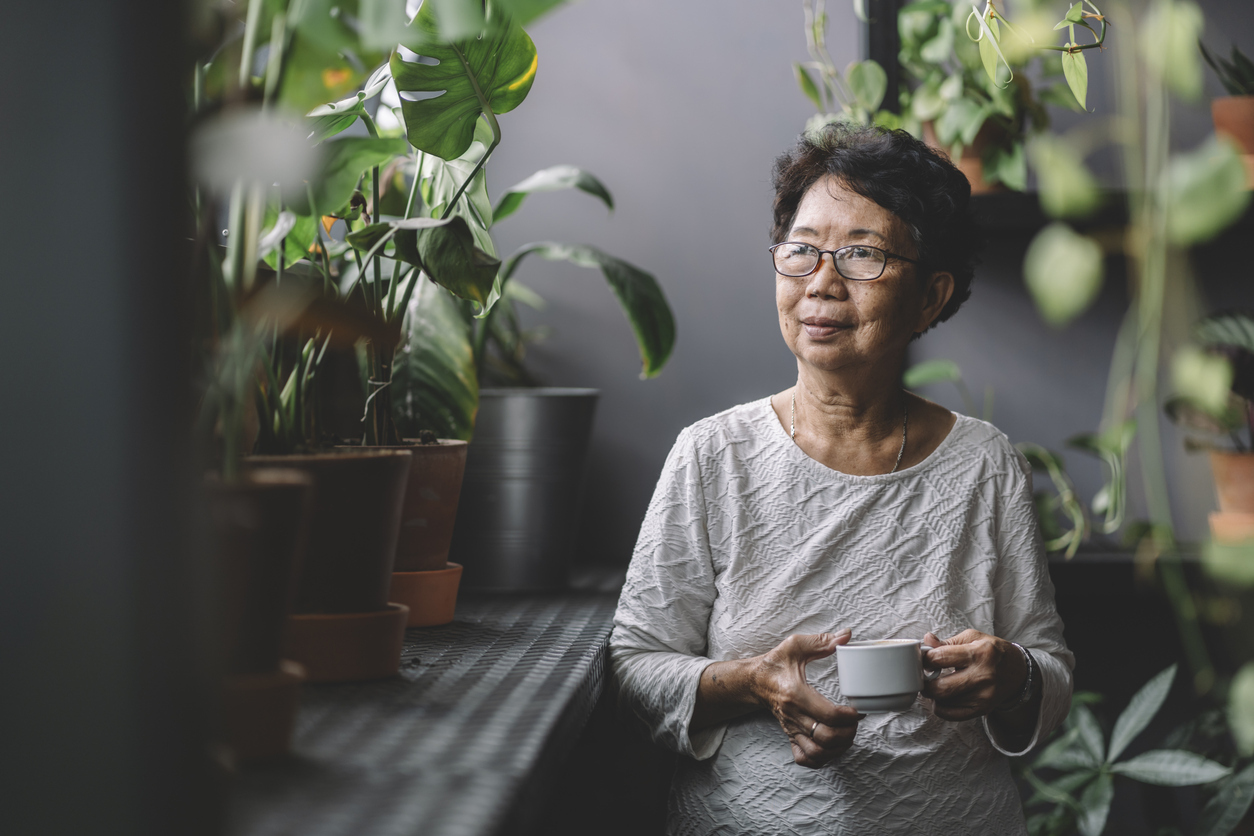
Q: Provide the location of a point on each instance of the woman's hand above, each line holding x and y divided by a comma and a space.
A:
988, 673
819, 730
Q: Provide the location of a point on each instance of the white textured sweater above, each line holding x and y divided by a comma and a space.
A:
748, 540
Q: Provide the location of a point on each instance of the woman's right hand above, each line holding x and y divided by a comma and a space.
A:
819, 729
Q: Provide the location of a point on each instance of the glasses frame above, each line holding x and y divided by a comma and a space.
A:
835, 262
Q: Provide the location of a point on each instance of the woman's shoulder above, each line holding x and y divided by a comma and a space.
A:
975, 441
743, 423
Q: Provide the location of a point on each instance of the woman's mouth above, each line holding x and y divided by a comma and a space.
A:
820, 327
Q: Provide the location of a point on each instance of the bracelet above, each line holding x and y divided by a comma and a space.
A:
1029, 682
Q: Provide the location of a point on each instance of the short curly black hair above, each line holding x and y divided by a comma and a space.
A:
902, 174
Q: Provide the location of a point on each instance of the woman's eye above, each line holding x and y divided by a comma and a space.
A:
860, 253
798, 251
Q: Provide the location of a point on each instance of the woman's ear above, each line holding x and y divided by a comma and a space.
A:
937, 292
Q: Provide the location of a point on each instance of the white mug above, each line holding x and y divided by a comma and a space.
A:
882, 675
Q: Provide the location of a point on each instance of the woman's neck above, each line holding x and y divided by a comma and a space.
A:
838, 409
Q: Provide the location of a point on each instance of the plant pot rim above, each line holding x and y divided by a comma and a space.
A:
1246, 97
1234, 454
450, 568
325, 455
259, 477
406, 444
538, 392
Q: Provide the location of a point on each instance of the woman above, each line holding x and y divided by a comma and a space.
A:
844, 507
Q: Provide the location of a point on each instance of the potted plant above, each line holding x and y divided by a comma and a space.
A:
969, 91
510, 533
345, 627
1234, 114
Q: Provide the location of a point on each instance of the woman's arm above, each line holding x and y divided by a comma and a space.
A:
818, 729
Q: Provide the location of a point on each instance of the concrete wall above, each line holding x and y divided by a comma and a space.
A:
681, 108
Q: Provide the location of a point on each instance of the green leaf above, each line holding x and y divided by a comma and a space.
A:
1075, 14
1169, 38
1144, 705
491, 73
1225, 810
1202, 378
960, 122
1171, 768
443, 178
990, 50
927, 103
300, 237
1067, 189
549, 180
346, 160
1241, 707
1075, 69
1095, 805
869, 82
1007, 166
1208, 191
443, 248
1064, 754
1226, 329
931, 371
807, 85
1063, 272
1232, 563
1090, 737
525, 11
435, 386
638, 293
1059, 791
940, 48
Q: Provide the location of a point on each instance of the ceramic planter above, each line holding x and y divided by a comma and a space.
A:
1234, 117
422, 577
520, 499
260, 527
343, 627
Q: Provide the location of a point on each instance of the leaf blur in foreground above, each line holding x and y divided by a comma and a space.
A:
1063, 272
638, 292
1241, 708
1067, 189
1208, 191
493, 72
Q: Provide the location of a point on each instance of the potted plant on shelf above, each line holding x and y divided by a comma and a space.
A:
969, 91
522, 474
1234, 114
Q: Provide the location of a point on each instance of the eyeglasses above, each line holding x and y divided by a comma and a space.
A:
857, 262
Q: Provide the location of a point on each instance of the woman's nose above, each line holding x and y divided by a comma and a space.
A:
825, 281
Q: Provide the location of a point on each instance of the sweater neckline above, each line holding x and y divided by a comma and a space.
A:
776, 434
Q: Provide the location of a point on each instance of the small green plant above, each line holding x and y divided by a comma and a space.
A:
854, 95
1236, 73
1085, 764
1214, 381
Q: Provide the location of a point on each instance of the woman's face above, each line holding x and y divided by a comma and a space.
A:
835, 324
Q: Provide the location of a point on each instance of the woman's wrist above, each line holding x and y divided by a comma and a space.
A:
1031, 684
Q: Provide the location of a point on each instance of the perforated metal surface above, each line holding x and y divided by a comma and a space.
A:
460, 743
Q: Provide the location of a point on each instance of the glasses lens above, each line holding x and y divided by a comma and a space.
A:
860, 263
795, 259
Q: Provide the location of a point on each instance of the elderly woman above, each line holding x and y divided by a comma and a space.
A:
845, 507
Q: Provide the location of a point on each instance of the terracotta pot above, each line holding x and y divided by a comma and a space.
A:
431, 595
971, 163
1234, 117
259, 710
260, 529
348, 647
435, 484
1234, 480
1232, 526
352, 539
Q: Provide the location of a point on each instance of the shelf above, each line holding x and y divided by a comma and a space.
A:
461, 743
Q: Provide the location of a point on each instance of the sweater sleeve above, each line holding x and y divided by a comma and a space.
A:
659, 641
1024, 603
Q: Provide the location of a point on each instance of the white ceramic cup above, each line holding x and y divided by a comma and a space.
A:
882, 675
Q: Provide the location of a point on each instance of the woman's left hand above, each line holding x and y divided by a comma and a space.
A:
988, 673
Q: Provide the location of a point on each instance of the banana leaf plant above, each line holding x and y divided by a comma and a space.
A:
1073, 778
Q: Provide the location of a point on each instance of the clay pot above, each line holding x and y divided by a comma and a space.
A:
1234, 117
348, 647
356, 518
430, 595
259, 711
971, 163
1234, 481
260, 529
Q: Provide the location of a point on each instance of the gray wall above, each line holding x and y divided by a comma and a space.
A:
681, 108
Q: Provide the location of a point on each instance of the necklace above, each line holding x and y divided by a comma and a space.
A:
905, 420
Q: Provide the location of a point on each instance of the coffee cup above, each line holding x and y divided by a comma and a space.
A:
882, 675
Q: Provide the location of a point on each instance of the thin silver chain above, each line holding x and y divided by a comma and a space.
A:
905, 421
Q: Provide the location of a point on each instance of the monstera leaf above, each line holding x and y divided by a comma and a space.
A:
489, 74
444, 249
344, 163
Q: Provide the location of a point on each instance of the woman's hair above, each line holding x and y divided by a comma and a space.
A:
902, 174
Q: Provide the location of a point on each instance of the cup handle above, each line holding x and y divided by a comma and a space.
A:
928, 675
